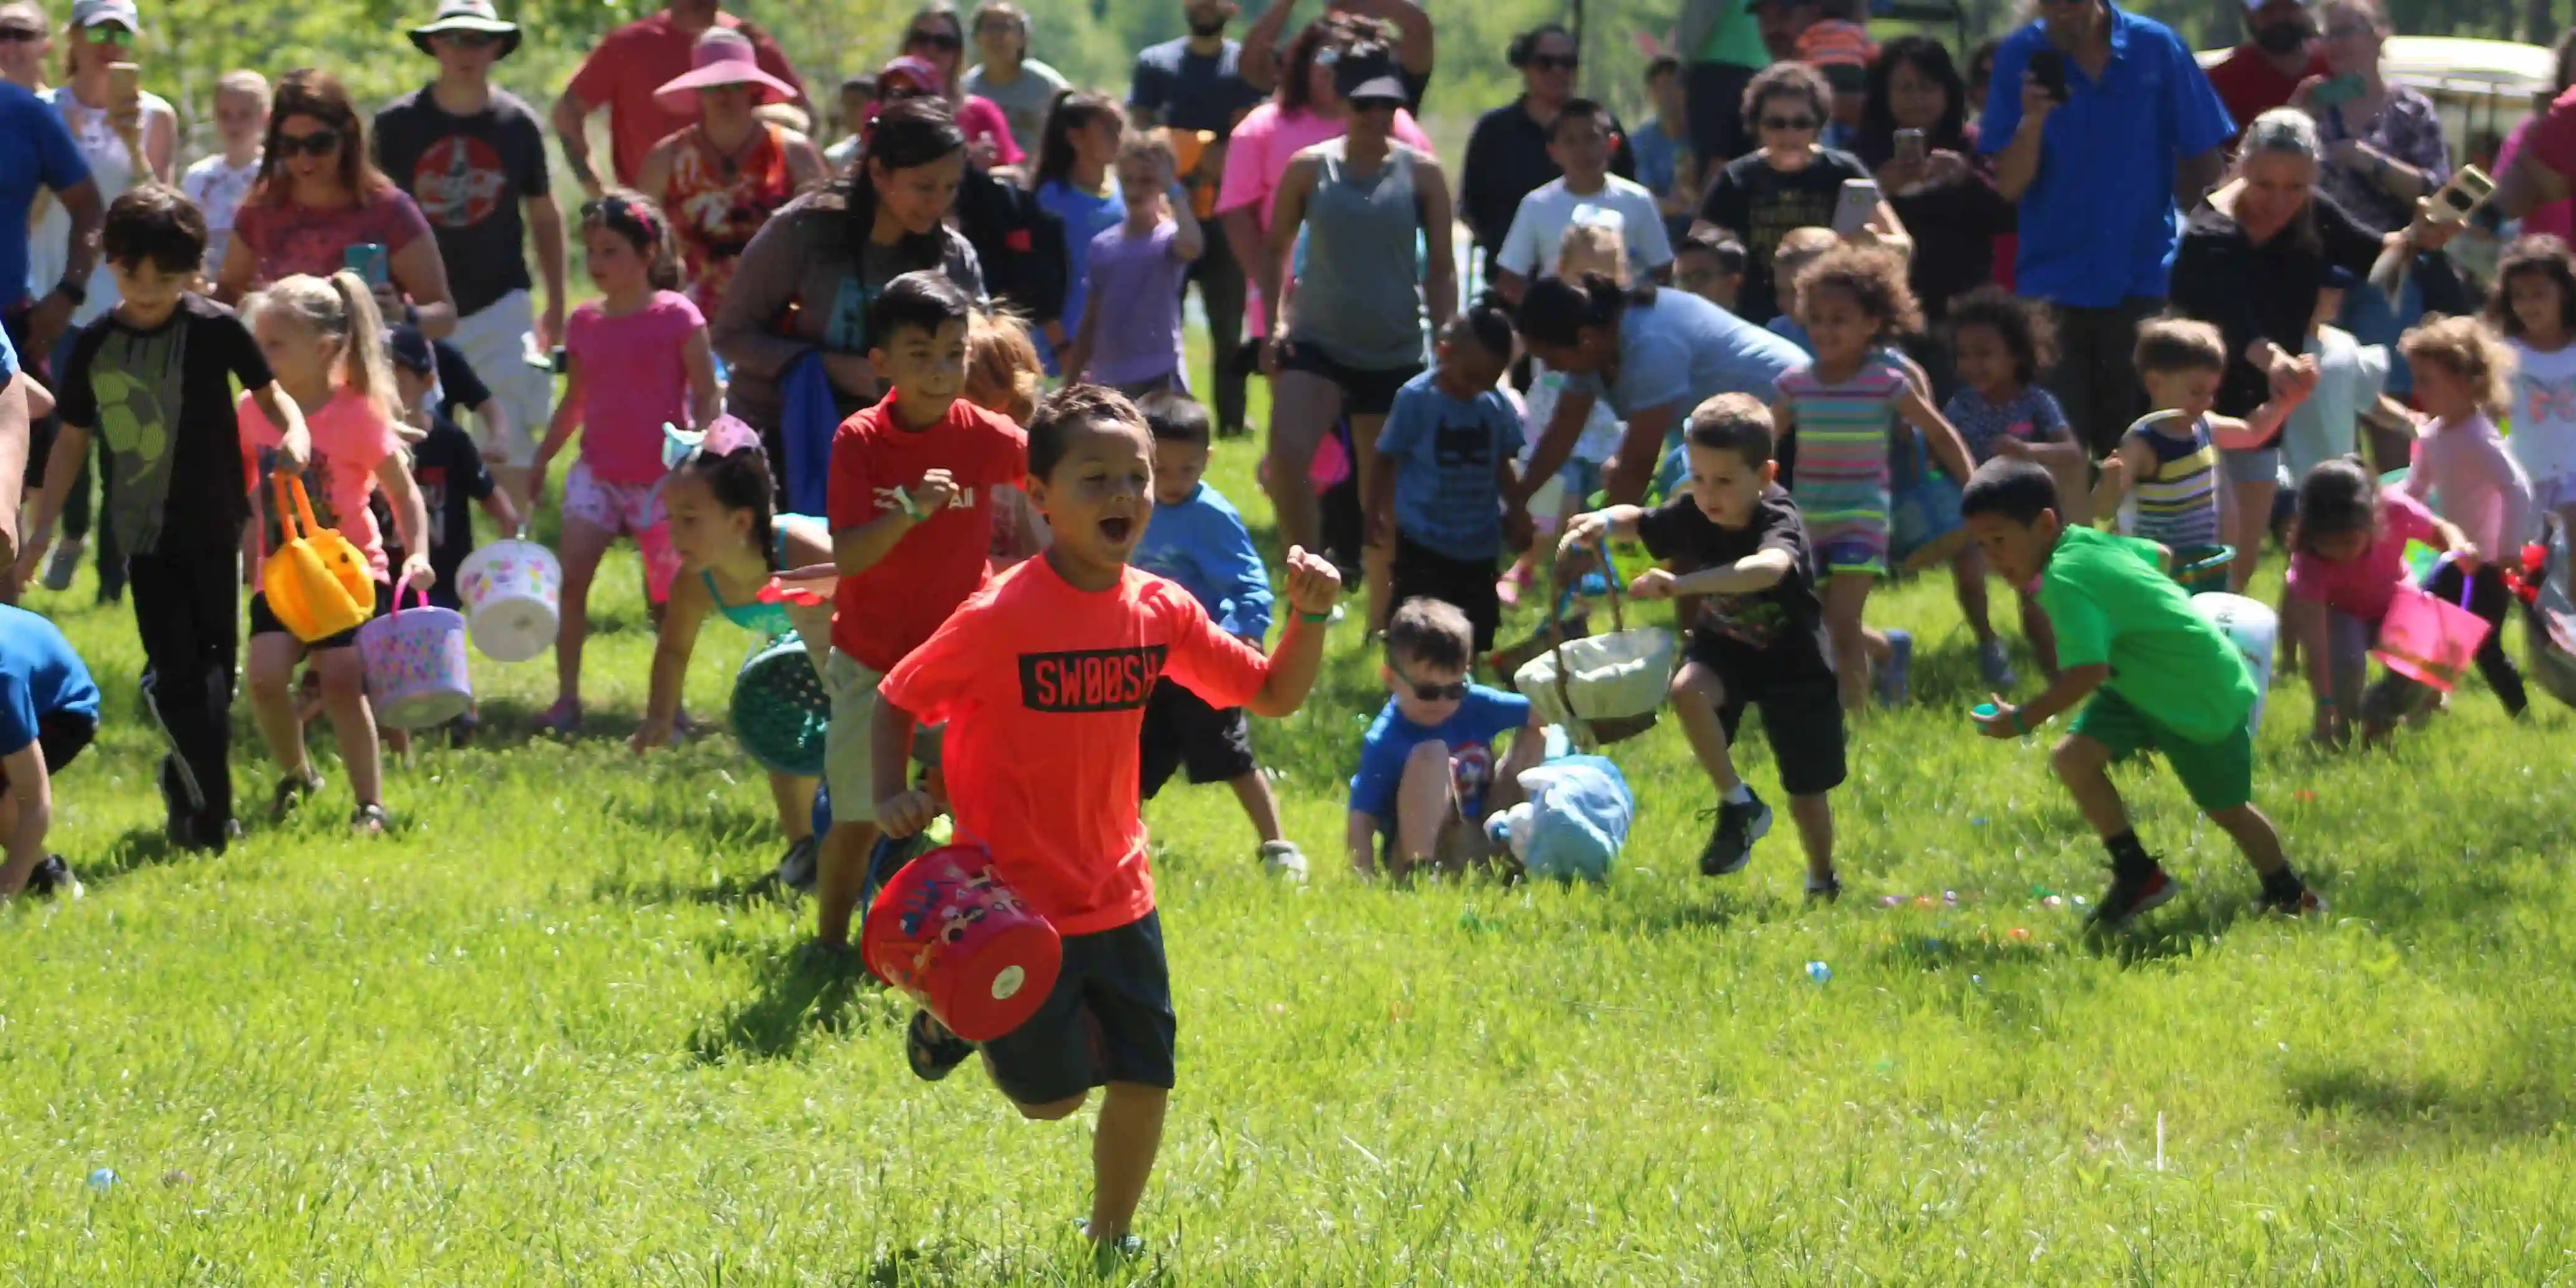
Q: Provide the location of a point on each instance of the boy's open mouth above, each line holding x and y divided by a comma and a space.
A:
1116, 528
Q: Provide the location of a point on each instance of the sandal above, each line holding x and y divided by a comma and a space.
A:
370, 820
291, 791
563, 719
931, 1050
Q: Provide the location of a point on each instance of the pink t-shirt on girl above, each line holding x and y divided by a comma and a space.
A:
350, 439
633, 381
286, 239
2364, 586
2483, 491
1257, 156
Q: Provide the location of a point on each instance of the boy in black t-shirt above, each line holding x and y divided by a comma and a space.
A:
1760, 639
448, 467
154, 377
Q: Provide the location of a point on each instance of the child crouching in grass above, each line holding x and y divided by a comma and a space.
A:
2347, 561
1198, 541
1760, 637
2152, 675
1427, 779
1041, 759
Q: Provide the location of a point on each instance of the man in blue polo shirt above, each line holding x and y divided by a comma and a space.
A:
2101, 123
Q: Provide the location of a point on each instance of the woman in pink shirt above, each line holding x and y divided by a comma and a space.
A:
1306, 111
937, 37
317, 196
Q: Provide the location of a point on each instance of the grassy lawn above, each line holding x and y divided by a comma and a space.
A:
550, 1031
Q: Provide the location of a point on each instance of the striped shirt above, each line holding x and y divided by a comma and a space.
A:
2178, 501
1841, 481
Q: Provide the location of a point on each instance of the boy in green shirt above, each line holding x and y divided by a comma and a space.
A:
2160, 678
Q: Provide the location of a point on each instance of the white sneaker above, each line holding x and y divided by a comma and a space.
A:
1284, 859
60, 567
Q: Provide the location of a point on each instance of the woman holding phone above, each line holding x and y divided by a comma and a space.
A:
1789, 182
2383, 143
128, 137
1916, 137
320, 205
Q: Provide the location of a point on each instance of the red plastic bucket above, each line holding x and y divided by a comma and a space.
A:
947, 931
2429, 641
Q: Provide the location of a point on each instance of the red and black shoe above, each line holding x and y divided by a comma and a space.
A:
2132, 895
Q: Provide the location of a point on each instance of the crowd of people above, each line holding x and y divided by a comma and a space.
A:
1839, 310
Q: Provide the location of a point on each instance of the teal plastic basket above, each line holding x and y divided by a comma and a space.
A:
780, 711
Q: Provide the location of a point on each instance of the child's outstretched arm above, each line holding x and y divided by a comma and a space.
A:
706, 397
2451, 541
1313, 586
1939, 434
2304, 619
1189, 241
503, 510
2131, 459
2251, 433
672, 646
902, 810
1760, 570
855, 550
1359, 841
32, 791
2071, 686
559, 430
1585, 531
411, 523
294, 441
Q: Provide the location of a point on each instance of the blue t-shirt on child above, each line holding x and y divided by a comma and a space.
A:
1203, 545
2032, 416
1446, 450
40, 676
1482, 716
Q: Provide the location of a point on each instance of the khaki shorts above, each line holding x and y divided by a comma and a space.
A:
849, 760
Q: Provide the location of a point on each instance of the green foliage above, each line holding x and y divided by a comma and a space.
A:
554, 1031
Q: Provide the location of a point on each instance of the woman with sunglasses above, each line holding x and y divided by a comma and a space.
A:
937, 36
319, 197
1507, 157
1790, 182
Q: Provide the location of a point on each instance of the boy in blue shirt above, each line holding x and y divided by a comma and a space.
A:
1198, 540
1428, 779
1443, 469
48, 715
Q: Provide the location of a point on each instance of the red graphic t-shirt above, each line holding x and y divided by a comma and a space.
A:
1043, 689
717, 202
887, 611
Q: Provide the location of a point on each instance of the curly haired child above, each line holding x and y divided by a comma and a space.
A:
2463, 380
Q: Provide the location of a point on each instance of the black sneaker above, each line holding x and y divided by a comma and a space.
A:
1830, 890
796, 867
180, 825
53, 879
931, 1050
2301, 903
1730, 842
290, 793
2129, 897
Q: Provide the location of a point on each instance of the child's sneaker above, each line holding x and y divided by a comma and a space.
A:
796, 867
1894, 678
1829, 890
370, 819
2298, 901
2129, 897
1997, 668
291, 791
1283, 858
53, 879
1730, 842
931, 1050
563, 719
65, 562
1122, 1247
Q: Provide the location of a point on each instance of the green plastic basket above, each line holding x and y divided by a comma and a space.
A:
2202, 569
780, 711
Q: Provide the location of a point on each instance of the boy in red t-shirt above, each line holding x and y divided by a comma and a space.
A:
914, 487
1043, 679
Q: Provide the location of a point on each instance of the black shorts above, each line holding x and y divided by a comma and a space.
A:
1183, 732
1364, 392
1466, 584
1804, 726
61, 736
1109, 1019
264, 622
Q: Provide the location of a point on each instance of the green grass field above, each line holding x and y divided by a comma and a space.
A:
552, 1031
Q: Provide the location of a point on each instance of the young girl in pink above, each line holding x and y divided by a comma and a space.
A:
638, 359
2347, 563
325, 342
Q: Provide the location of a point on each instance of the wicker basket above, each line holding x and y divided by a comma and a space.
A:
1602, 688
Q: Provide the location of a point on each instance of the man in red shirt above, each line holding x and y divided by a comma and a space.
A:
1042, 679
622, 73
2280, 50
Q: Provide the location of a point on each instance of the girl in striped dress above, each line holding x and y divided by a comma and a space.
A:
1842, 409
2170, 459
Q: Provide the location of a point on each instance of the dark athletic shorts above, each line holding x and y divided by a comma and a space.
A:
1182, 732
1109, 1019
264, 622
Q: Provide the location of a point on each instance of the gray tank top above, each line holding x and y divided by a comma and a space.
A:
1359, 297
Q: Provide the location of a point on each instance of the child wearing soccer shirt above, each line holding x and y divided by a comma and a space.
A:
1427, 779
2158, 676
915, 483
1197, 540
1760, 639
1043, 679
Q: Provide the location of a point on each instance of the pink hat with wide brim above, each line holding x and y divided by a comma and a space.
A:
721, 57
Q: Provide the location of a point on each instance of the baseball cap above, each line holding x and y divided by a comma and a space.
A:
410, 350
1368, 77
92, 13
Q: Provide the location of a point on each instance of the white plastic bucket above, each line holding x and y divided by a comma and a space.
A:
2254, 630
511, 591
415, 660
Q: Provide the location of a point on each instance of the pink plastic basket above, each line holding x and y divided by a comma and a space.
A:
415, 660
2429, 641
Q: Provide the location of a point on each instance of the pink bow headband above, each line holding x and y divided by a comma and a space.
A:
726, 436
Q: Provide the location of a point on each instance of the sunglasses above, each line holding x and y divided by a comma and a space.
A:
19, 36
2350, 31
941, 40
108, 33
1450, 692
1789, 124
1554, 62
1388, 105
468, 39
320, 143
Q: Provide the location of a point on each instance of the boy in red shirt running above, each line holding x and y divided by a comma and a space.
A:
914, 486
1043, 679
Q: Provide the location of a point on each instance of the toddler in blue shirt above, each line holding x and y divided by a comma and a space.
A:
1197, 540
1429, 776
1444, 466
